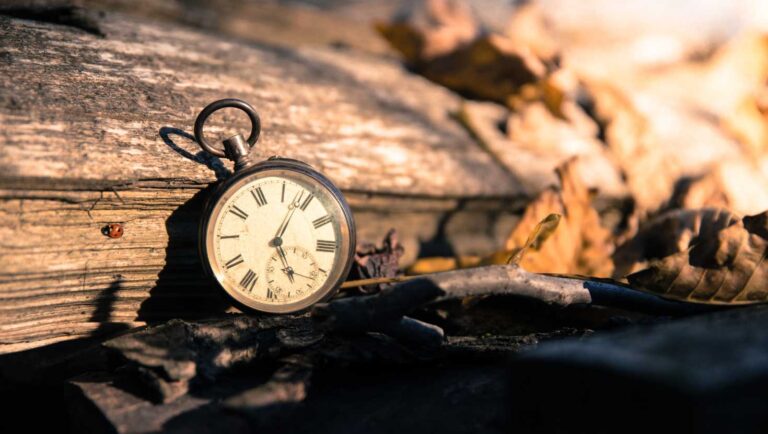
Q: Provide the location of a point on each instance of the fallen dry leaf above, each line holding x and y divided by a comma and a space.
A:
748, 123
580, 245
548, 124
439, 263
542, 142
724, 267
669, 233
549, 94
539, 234
490, 67
735, 184
441, 40
633, 146
701, 192
372, 261
684, 120
559, 232
528, 27
424, 30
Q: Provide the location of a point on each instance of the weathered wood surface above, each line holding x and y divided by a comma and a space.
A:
95, 130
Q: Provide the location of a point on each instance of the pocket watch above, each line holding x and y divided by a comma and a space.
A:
278, 236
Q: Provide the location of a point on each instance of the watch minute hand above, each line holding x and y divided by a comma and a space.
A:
291, 209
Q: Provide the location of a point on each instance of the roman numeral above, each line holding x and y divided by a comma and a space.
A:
238, 212
258, 195
306, 202
270, 294
322, 221
237, 260
282, 194
226, 237
249, 280
326, 246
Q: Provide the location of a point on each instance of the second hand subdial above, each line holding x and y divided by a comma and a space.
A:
303, 265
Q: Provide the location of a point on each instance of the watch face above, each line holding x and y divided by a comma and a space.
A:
279, 240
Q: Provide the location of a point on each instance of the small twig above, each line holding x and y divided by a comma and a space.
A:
513, 280
507, 280
376, 281
489, 280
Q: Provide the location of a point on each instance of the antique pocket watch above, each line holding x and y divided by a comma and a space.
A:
278, 236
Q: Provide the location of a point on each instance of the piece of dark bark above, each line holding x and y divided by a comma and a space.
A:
165, 359
361, 313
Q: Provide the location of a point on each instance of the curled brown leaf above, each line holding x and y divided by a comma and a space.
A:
724, 267
374, 262
669, 233
441, 40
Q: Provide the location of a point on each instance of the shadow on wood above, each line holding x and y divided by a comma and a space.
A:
210, 161
170, 298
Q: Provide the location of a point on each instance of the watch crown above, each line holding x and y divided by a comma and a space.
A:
237, 150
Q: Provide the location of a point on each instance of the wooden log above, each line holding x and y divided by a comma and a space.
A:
95, 130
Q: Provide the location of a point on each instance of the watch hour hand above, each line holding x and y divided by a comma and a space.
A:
286, 268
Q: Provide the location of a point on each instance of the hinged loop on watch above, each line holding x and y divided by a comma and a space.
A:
236, 148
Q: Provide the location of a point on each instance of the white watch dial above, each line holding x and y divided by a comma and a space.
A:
276, 240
